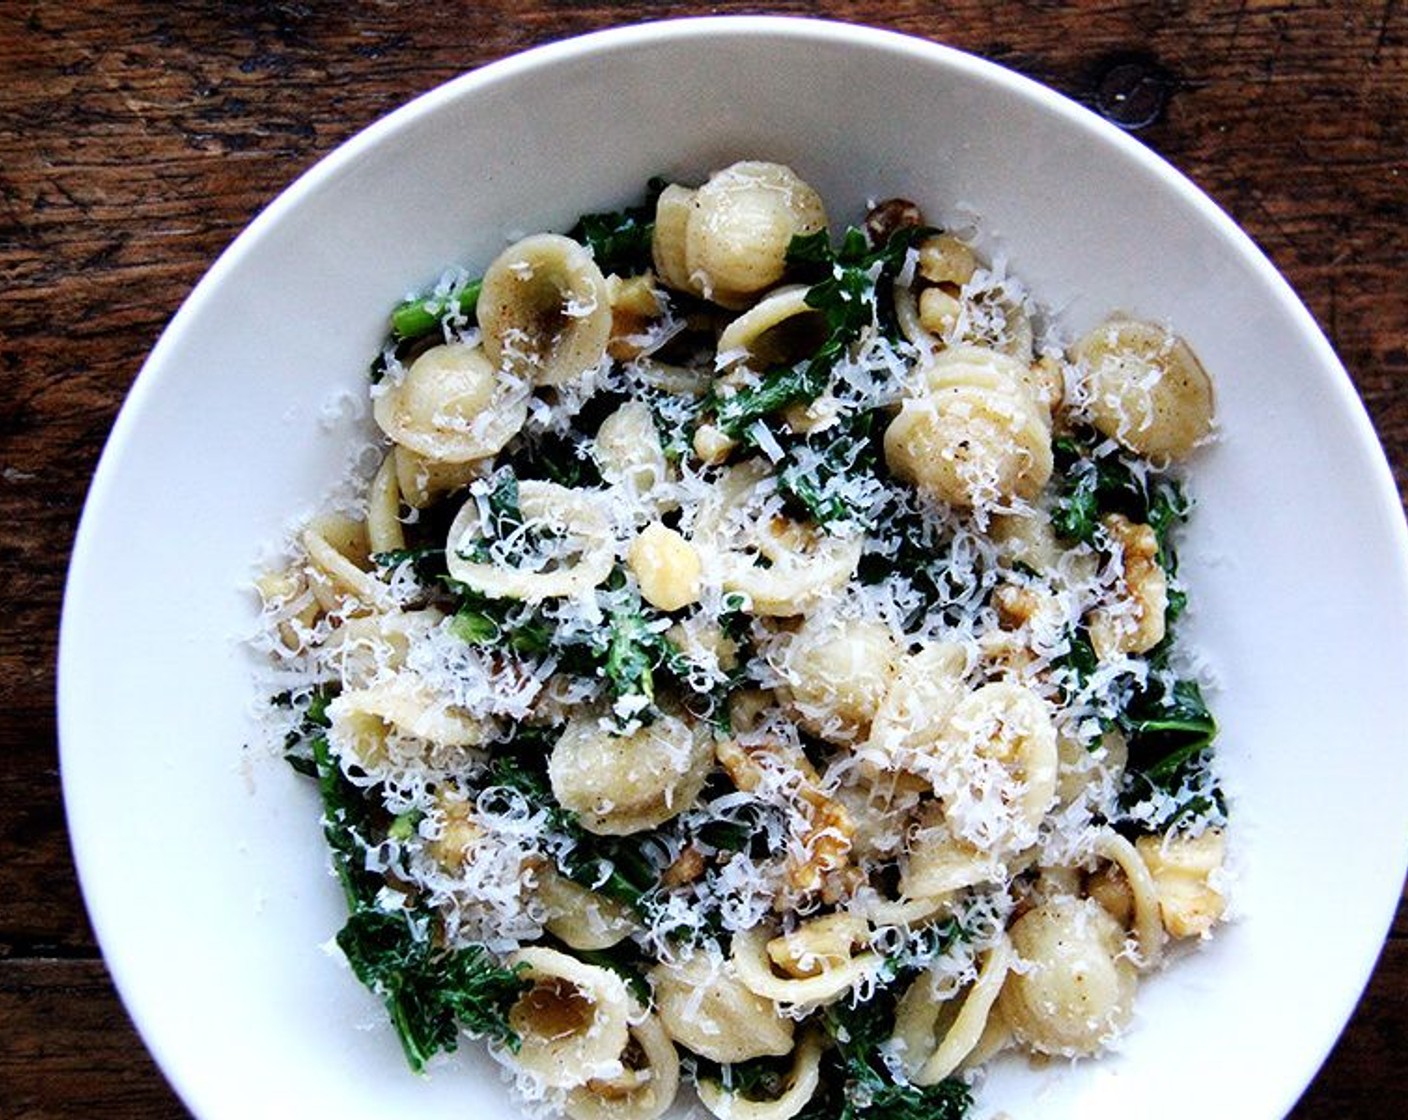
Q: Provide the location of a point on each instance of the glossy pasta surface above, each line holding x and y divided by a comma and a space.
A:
752, 670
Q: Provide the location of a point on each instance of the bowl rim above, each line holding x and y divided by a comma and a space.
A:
647, 35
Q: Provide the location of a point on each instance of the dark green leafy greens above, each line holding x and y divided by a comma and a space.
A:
846, 295
1167, 725
431, 993
856, 1082
822, 479
620, 240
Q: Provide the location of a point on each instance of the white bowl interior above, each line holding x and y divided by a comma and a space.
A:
202, 862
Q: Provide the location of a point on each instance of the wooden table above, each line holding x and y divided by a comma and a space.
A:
136, 139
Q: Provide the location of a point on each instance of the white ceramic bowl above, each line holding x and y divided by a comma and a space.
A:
202, 862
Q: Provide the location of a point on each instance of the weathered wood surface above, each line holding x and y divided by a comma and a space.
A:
139, 137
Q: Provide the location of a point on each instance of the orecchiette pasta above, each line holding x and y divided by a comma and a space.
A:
974, 435
627, 449
1184, 870
995, 767
423, 482
706, 1007
451, 406
838, 672
573, 1022
735, 231
780, 329
644, 1090
1145, 388
399, 713
574, 546
384, 532
802, 1082
935, 1034
749, 659
835, 979
582, 918
544, 310
619, 784
1073, 990
782, 567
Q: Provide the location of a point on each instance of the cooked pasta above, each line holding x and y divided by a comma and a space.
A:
752, 665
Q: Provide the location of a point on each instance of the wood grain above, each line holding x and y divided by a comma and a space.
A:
139, 137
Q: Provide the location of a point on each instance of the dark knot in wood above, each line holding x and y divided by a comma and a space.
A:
1132, 92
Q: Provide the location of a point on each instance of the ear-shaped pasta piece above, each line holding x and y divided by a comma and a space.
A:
909, 912
289, 605
838, 672
783, 567
638, 322
935, 1034
937, 863
802, 1082
544, 310
423, 482
780, 329
1085, 768
581, 918
1073, 992
573, 1023
398, 718
620, 784
627, 449
1184, 870
1145, 388
975, 436
384, 530
740, 224
706, 1008
337, 550
915, 708
994, 767
819, 944
372, 647
646, 1088
568, 531
667, 247
1144, 894
451, 406
754, 967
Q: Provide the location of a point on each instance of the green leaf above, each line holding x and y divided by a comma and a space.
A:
620, 240
430, 995
846, 296
776, 390
846, 451
857, 1083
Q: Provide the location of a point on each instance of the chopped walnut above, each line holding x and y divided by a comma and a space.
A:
1138, 626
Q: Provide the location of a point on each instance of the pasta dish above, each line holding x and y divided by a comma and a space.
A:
750, 665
